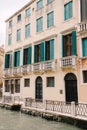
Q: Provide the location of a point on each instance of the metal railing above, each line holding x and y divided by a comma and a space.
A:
29, 102
59, 106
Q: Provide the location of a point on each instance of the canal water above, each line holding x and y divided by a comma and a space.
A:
16, 121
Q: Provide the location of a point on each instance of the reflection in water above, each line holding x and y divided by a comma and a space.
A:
16, 121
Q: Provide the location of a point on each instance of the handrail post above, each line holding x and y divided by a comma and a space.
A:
73, 113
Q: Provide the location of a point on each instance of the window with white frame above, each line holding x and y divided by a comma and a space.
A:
39, 4
27, 12
9, 39
50, 19
39, 24
27, 30
50, 82
18, 34
26, 82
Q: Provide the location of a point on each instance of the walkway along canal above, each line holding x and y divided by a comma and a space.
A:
75, 114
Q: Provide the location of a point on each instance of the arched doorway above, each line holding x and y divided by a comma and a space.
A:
71, 92
39, 89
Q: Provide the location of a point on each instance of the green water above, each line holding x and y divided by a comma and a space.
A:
16, 121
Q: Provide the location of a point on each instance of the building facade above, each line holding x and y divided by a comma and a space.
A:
1, 68
42, 51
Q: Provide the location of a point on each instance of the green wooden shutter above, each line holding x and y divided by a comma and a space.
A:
84, 46
52, 49
34, 53
18, 58
14, 59
6, 61
29, 55
74, 43
62, 46
42, 51
23, 56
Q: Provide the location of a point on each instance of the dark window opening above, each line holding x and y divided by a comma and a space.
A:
68, 45
85, 76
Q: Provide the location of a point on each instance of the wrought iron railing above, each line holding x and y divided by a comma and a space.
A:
58, 106
29, 102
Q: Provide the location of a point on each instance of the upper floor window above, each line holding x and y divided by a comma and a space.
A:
27, 55
44, 51
9, 39
83, 4
16, 58
50, 19
39, 24
49, 50
69, 44
19, 35
19, 17
39, 4
10, 24
49, 1
84, 47
68, 10
27, 12
27, 30
8, 61
7, 86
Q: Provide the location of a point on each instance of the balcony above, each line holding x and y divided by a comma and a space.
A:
26, 69
44, 66
17, 70
8, 72
37, 67
82, 27
68, 61
50, 65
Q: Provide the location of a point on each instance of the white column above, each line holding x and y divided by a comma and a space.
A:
73, 109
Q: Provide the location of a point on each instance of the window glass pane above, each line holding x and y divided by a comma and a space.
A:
39, 4
10, 23
67, 45
26, 82
68, 10
27, 12
39, 24
50, 82
48, 1
27, 30
19, 35
50, 19
7, 85
9, 39
85, 76
19, 18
